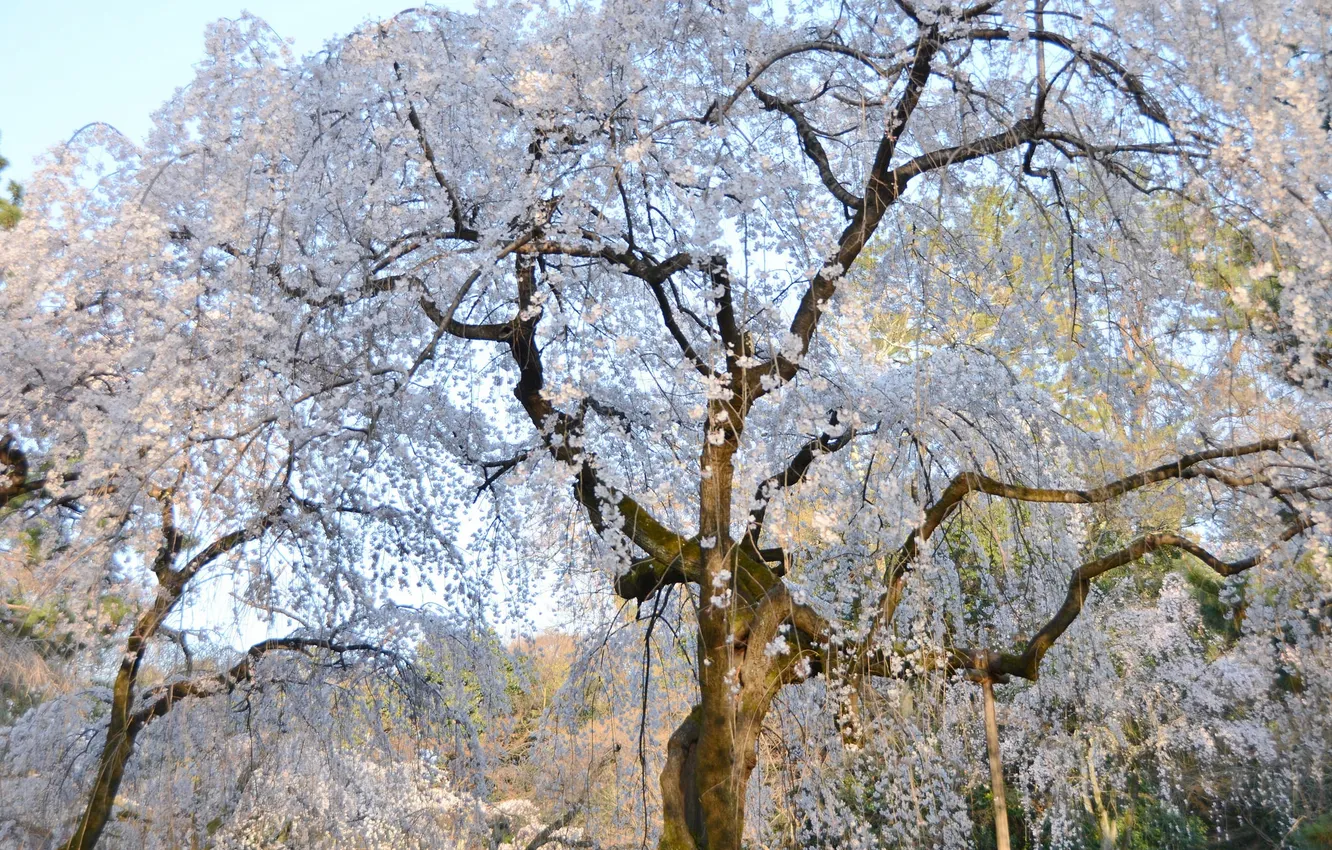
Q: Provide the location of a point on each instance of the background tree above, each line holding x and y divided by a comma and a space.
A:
9, 207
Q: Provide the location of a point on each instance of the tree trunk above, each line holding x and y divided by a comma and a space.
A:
726, 758
715, 770
705, 780
682, 820
1104, 820
120, 735
123, 728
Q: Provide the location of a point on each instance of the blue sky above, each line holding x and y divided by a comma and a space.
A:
65, 63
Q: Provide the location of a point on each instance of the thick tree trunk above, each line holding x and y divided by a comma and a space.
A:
704, 782
715, 770
726, 758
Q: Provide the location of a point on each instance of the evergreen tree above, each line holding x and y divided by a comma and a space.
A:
10, 207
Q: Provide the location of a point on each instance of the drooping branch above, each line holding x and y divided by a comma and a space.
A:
673, 328
1184, 468
720, 108
491, 332
637, 264
886, 183
669, 553
496, 469
1100, 64
926, 47
158, 703
1027, 664
792, 475
1001, 666
1022, 131
656, 275
444, 320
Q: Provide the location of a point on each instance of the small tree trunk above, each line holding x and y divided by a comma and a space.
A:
1108, 826
996, 768
119, 744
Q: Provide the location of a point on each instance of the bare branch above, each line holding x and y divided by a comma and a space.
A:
673, 327
885, 186
456, 208
1184, 468
726, 321
559, 431
720, 108
1100, 64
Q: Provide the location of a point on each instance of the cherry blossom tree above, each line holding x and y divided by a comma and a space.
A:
862, 343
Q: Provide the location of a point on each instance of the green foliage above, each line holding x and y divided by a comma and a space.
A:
1151, 824
1222, 619
1227, 259
10, 208
986, 539
981, 803
1315, 834
31, 541
115, 609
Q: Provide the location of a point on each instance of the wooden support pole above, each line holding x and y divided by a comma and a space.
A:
996, 767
